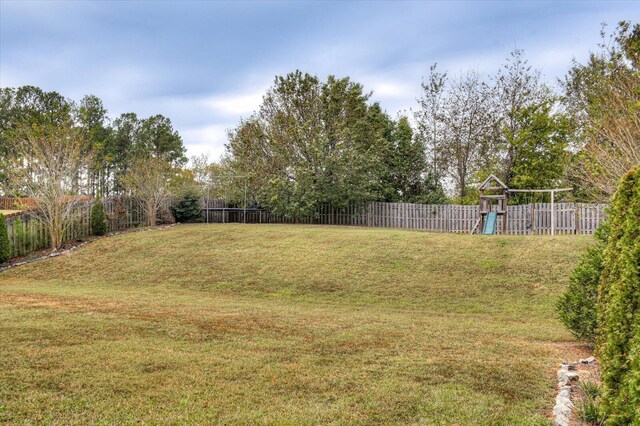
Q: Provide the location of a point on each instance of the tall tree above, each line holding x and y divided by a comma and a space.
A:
91, 116
47, 162
21, 108
125, 131
149, 180
109, 148
429, 120
602, 97
536, 147
310, 142
157, 138
520, 101
407, 176
134, 138
457, 120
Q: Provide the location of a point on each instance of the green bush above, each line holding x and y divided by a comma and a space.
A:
98, 218
187, 208
618, 340
5, 249
577, 306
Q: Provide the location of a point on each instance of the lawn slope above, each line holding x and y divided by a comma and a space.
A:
281, 324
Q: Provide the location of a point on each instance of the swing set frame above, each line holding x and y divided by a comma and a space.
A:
493, 190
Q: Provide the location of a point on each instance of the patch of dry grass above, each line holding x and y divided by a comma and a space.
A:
282, 324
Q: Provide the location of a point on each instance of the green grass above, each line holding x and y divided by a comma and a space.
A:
278, 324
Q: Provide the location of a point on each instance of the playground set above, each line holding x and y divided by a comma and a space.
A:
494, 197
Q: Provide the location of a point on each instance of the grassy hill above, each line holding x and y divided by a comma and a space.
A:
287, 324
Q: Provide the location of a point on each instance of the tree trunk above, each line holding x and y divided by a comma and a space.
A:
151, 211
56, 234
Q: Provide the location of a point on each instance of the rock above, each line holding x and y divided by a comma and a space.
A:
563, 408
587, 360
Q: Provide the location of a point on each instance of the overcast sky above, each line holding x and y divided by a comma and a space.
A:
206, 64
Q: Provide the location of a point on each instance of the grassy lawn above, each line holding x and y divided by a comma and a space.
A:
281, 324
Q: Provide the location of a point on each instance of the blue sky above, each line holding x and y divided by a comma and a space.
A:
206, 64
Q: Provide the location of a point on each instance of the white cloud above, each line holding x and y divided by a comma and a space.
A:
235, 104
208, 140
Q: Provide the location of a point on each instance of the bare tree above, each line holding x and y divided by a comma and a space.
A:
203, 171
457, 122
615, 149
603, 100
149, 180
430, 126
47, 162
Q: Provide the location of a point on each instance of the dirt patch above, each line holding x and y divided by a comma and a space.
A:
206, 325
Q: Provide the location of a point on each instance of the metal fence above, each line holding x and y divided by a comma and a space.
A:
28, 233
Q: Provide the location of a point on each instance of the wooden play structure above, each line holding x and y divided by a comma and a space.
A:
494, 198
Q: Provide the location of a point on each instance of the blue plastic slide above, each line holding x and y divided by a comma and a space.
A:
490, 224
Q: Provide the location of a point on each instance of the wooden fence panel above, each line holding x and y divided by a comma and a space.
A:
526, 219
27, 233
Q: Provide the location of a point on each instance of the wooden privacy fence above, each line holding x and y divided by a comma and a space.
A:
526, 219
28, 233
10, 203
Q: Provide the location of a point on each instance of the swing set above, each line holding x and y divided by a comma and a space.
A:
494, 197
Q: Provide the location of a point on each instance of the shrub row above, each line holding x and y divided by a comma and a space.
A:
577, 306
618, 307
602, 304
5, 249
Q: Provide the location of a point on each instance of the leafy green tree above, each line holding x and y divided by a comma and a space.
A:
523, 110
406, 178
125, 131
22, 108
157, 138
311, 142
577, 307
538, 148
98, 218
134, 138
318, 142
618, 342
5, 249
109, 149
92, 117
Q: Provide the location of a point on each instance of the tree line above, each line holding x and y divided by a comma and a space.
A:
106, 148
323, 141
314, 141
